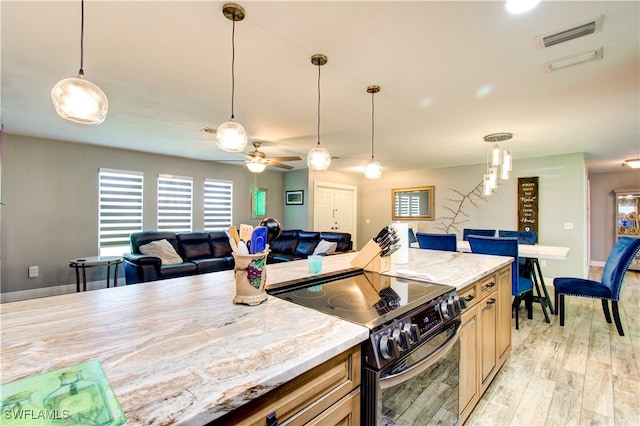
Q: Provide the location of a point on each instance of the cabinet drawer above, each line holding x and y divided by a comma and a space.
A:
470, 295
300, 400
488, 286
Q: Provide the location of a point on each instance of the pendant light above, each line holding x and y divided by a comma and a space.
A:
231, 136
500, 159
373, 169
318, 158
77, 99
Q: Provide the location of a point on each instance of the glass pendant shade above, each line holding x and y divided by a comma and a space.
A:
495, 155
256, 166
231, 137
493, 177
80, 101
505, 173
507, 160
318, 158
373, 169
486, 185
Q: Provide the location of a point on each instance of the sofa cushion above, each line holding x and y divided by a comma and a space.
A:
194, 245
325, 246
307, 242
213, 264
178, 270
286, 243
220, 246
162, 249
342, 238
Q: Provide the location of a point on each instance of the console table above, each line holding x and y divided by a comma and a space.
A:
92, 261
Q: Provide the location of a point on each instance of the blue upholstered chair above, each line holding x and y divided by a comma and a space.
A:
446, 242
521, 287
481, 232
608, 288
412, 237
528, 270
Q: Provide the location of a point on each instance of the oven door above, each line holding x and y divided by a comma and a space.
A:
419, 389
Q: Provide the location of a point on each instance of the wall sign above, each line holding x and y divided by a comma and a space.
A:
528, 204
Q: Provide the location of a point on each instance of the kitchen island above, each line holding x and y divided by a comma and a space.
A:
179, 351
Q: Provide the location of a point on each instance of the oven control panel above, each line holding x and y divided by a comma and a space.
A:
399, 337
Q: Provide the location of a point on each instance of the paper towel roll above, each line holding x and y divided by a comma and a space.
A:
402, 255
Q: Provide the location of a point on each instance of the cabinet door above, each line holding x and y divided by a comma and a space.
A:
488, 321
469, 375
504, 313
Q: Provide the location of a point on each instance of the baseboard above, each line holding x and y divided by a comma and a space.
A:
597, 264
14, 296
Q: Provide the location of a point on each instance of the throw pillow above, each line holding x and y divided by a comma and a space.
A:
325, 246
162, 249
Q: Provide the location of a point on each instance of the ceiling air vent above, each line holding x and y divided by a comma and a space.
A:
561, 36
572, 60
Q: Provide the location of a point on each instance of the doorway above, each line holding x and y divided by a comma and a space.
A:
335, 208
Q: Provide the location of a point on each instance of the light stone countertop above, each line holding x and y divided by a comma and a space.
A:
178, 350
448, 267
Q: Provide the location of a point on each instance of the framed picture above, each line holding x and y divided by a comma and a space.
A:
295, 197
258, 202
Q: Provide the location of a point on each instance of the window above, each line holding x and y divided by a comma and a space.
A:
175, 200
218, 204
119, 210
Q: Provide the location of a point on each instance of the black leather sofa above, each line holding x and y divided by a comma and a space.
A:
298, 244
203, 252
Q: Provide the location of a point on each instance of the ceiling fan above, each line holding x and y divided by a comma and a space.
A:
257, 157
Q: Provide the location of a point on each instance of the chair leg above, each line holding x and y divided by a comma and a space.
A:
560, 306
605, 308
528, 302
555, 297
616, 317
514, 307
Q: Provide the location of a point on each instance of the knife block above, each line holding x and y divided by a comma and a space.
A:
369, 259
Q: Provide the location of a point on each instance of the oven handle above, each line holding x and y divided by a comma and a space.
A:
418, 368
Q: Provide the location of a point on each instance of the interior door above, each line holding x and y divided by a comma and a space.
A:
334, 208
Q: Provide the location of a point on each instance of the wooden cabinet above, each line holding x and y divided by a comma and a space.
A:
329, 394
485, 336
628, 218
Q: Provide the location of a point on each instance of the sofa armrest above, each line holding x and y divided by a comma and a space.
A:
140, 268
142, 259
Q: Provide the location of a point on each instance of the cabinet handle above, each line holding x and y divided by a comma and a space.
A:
491, 301
491, 284
271, 420
469, 298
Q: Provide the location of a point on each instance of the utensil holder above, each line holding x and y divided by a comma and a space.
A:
251, 276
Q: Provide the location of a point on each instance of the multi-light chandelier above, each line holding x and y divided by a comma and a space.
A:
499, 162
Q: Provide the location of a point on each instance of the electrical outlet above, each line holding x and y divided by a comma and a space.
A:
543, 263
33, 272
568, 225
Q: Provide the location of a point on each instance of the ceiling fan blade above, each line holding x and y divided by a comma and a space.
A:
280, 165
294, 158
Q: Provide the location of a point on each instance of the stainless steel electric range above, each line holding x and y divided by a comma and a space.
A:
411, 359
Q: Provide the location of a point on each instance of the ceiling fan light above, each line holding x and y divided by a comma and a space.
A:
256, 166
231, 137
633, 163
318, 158
373, 169
80, 101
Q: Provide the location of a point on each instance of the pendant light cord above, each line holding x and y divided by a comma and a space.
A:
373, 108
233, 62
81, 72
319, 104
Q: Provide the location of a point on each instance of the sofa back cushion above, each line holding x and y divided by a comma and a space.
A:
220, 246
286, 242
194, 245
307, 242
342, 238
138, 239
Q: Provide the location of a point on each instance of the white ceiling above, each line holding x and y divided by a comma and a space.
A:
450, 72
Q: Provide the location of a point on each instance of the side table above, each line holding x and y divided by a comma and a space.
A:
91, 261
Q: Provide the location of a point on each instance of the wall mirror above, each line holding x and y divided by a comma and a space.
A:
413, 203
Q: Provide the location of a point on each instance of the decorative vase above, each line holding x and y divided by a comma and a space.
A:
251, 276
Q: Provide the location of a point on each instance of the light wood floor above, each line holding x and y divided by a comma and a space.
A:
581, 374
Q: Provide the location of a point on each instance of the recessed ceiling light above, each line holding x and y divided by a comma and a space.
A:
520, 6
569, 61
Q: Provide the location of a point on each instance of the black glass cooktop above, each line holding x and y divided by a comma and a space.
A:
365, 298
